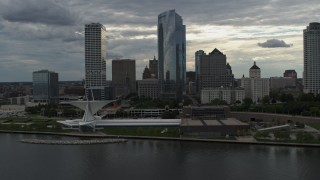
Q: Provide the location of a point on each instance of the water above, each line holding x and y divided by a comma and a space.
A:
147, 159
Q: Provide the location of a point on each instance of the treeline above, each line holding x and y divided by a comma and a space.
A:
54, 110
148, 103
304, 104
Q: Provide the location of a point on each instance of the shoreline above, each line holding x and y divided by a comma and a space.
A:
73, 142
165, 138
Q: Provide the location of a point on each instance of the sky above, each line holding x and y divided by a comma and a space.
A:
48, 34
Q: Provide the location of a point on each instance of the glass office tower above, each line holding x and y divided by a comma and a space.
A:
172, 54
45, 86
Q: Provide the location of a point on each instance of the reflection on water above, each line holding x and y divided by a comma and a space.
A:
147, 159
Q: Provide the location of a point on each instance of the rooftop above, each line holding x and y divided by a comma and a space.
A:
215, 51
254, 66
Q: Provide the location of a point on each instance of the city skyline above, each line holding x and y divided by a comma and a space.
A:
34, 36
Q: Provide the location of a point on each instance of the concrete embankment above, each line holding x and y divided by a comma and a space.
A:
72, 142
168, 139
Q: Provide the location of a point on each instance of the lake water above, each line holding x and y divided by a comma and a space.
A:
152, 159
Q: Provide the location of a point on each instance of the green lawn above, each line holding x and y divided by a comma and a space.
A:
143, 131
316, 126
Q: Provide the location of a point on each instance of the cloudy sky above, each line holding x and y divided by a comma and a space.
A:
47, 34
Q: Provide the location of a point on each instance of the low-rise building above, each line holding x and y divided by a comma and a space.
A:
229, 95
148, 88
210, 121
282, 82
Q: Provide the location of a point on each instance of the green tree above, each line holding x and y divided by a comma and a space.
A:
307, 97
247, 101
282, 135
266, 100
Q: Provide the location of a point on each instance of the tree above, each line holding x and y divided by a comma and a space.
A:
170, 115
266, 100
307, 97
286, 97
282, 135
218, 102
237, 102
262, 135
247, 101
304, 137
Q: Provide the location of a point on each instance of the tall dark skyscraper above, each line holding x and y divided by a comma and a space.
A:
153, 67
214, 71
95, 60
123, 77
311, 58
197, 56
172, 54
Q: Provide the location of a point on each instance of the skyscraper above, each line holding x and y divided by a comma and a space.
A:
172, 54
146, 73
153, 67
95, 60
214, 71
123, 77
45, 86
197, 58
311, 58
254, 86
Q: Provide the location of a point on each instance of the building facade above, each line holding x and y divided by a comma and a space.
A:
148, 88
290, 73
146, 73
153, 67
214, 71
95, 60
311, 58
229, 95
197, 57
123, 77
282, 82
172, 54
255, 87
45, 86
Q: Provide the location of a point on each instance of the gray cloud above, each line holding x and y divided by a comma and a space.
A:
43, 31
37, 11
274, 43
111, 55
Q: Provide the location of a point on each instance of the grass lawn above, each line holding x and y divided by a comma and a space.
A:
316, 125
143, 131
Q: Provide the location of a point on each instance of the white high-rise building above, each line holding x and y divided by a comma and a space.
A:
95, 60
255, 87
311, 57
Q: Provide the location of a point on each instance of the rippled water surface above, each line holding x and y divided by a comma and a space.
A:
147, 159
